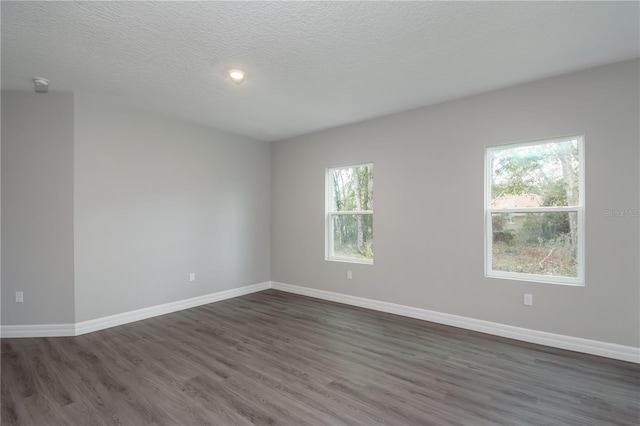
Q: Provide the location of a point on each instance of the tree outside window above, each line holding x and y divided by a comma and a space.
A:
535, 211
350, 213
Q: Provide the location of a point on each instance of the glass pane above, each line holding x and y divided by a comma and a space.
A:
535, 243
546, 174
353, 235
352, 188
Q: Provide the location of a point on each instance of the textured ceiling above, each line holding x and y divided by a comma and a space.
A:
310, 65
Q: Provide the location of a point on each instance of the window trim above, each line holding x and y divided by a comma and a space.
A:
579, 209
329, 213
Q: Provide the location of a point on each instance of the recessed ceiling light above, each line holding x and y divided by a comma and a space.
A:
237, 76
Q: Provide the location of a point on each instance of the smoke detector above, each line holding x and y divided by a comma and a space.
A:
41, 85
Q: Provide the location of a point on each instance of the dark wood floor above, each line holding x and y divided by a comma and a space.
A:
277, 358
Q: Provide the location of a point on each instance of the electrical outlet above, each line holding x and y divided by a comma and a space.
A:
349, 275
528, 299
19, 297
192, 276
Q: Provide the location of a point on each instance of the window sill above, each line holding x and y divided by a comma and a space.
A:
544, 279
350, 260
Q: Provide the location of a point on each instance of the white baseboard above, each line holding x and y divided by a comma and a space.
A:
38, 330
58, 330
593, 347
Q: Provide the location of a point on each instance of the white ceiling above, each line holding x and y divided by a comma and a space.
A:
310, 65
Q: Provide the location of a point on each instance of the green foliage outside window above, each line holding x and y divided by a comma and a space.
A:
535, 239
352, 234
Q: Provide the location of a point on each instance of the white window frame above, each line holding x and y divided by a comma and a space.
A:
329, 213
578, 209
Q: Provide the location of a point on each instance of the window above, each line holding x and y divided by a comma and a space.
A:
349, 218
534, 211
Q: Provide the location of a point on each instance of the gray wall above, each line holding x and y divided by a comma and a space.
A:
37, 208
156, 199
428, 219
152, 199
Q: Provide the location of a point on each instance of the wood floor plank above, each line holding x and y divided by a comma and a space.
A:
273, 358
